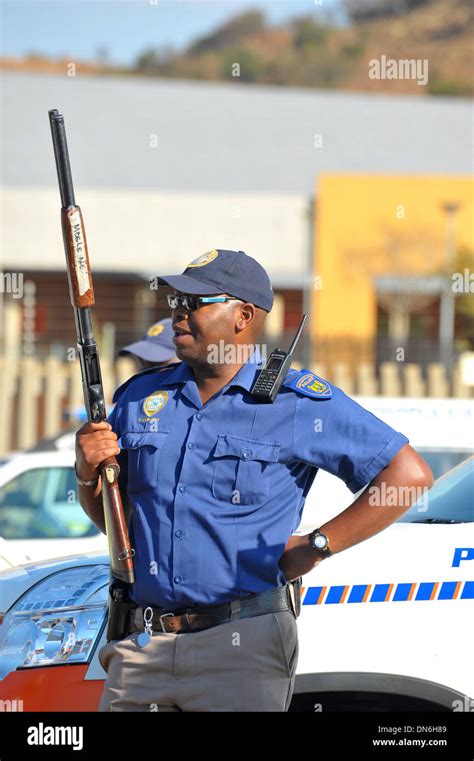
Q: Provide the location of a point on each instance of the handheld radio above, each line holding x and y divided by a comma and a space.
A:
270, 377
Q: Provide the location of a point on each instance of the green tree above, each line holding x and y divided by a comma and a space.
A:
155, 60
308, 33
361, 10
461, 271
251, 66
235, 31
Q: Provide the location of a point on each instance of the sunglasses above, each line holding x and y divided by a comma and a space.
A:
194, 302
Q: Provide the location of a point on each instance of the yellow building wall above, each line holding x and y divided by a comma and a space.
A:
368, 225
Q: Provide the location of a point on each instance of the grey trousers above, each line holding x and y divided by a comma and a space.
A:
245, 665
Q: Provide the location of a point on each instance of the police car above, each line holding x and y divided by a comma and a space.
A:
386, 621
40, 516
384, 625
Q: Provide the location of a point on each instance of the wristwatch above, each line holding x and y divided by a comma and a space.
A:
320, 542
85, 483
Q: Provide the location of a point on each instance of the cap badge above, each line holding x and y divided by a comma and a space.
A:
155, 330
204, 259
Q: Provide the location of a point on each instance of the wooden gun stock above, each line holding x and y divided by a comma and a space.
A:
121, 554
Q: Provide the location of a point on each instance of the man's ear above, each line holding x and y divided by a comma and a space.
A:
246, 315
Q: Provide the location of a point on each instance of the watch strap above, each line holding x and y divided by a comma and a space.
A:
81, 482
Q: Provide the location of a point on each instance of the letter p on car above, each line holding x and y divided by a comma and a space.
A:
462, 553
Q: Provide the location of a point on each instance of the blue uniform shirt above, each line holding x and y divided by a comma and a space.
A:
217, 489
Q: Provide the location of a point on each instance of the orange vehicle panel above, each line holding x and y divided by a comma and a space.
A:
54, 688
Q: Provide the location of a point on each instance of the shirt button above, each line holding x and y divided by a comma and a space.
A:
191, 445
246, 454
178, 579
199, 416
182, 489
179, 534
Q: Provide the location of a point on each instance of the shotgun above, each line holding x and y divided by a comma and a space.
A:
82, 299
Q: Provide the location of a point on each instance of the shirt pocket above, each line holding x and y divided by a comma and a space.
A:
144, 453
241, 473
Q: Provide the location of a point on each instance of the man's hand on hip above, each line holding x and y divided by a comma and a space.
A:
299, 557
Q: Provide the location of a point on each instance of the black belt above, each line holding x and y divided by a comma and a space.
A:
199, 617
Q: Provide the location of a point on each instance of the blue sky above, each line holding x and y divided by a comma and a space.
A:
78, 28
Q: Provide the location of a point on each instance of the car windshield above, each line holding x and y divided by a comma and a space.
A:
42, 504
450, 500
443, 460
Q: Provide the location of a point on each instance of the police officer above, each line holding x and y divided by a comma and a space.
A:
217, 483
155, 348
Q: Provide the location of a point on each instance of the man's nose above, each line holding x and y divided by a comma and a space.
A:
179, 312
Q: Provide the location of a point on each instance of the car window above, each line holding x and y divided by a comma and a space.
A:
443, 460
450, 500
42, 504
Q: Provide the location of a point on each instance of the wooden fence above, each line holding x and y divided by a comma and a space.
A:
37, 398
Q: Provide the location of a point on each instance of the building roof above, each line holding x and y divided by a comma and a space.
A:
156, 233
222, 137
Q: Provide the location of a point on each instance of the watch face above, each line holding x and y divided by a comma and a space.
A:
320, 541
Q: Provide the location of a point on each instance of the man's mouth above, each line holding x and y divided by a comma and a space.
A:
181, 336
181, 332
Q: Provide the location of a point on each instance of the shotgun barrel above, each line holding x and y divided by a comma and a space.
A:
82, 299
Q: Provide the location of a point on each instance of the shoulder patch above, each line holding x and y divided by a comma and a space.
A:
118, 393
307, 383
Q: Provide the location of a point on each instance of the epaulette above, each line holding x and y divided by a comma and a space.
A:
147, 371
307, 383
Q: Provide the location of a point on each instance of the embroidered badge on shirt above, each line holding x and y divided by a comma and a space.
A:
155, 403
310, 384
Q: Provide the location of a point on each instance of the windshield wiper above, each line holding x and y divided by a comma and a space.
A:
437, 520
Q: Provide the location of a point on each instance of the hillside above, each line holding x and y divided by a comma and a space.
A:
311, 52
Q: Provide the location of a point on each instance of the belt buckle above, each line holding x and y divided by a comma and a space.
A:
164, 615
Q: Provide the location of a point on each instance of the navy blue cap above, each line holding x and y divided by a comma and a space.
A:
156, 345
221, 271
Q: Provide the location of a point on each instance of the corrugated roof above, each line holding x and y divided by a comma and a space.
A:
216, 137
